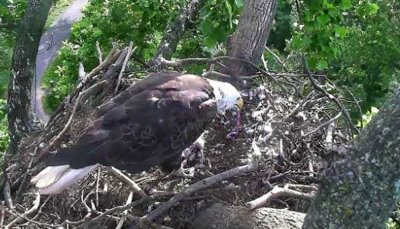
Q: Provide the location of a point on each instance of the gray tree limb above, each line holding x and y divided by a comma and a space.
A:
360, 191
23, 69
219, 216
174, 32
250, 37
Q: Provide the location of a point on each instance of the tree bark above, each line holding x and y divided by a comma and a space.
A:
360, 191
219, 216
250, 37
23, 69
174, 31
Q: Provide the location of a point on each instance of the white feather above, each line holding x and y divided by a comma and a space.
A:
49, 175
55, 179
225, 94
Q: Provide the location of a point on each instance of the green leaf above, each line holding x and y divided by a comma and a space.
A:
346, 4
323, 19
209, 42
3, 11
229, 8
327, 5
373, 8
207, 27
341, 31
322, 64
296, 42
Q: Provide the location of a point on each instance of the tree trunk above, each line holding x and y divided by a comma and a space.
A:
174, 31
219, 216
23, 69
249, 40
361, 190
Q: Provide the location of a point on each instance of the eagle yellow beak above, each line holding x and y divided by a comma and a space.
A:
240, 103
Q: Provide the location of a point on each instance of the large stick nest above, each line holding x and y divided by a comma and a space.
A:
291, 131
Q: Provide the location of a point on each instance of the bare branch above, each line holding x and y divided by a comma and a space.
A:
324, 124
120, 209
174, 31
5, 186
3, 206
133, 186
111, 57
99, 53
277, 58
81, 72
330, 96
275, 193
68, 124
357, 104
238, 171
215, 60
35, 207
22, 185
127, 57
123, 218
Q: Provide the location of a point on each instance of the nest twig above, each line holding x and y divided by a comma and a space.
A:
289, 133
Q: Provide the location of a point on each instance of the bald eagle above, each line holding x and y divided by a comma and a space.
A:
149, 123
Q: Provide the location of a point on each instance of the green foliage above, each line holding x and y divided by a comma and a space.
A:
355, 42
218, 20
6, 43
65, 68
56, 11
142, 22
4, 138
392, 225
324, 23
369, 61
367, 117
281, 30
10, 14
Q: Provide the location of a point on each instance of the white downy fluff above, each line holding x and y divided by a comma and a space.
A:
225, 94
55, 179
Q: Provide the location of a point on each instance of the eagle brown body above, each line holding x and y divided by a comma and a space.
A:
150, 122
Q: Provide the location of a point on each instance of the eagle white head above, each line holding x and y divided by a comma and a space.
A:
226, 95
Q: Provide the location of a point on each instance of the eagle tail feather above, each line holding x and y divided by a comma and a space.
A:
55, 179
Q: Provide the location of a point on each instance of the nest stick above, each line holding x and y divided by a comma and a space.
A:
99, 53
324, 124
28, 169
276, 57
35, 207
68, 124
97, 185
120, 209
128, 55
133, 186
277, 192
2, 213
123, 218
317, 87
238, 171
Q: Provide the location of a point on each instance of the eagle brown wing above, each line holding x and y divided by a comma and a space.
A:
153, 80
147, 127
